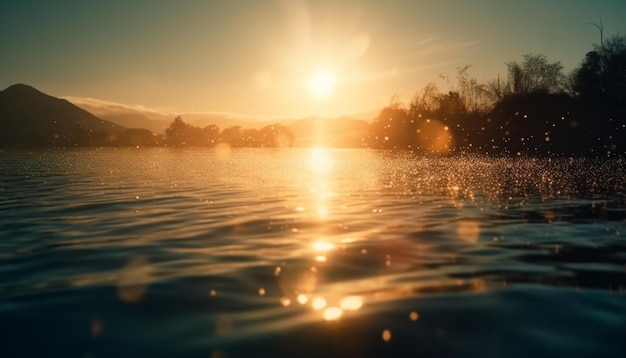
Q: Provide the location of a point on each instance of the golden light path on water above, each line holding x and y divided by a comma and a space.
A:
331, 302
311, 286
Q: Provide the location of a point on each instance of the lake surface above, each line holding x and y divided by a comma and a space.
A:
309, 252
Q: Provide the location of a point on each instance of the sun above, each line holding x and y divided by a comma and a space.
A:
322, 83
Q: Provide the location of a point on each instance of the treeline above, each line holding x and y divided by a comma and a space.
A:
535, 109
180, 134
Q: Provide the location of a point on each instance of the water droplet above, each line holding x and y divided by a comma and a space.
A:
96, 327
386, 335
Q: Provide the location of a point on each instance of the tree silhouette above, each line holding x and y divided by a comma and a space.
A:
233, 136
210, 135
177, 132
602, 74
276, 135
534, 75
393, 128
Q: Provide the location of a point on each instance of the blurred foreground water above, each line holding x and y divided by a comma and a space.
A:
309, 252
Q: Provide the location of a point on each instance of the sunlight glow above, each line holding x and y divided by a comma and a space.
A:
302, 299
332, 313
320, 161
318, 303
323, 246
284, 301
322, 212
322, 83
351, 303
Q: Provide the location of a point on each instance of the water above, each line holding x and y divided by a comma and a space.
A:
309, 252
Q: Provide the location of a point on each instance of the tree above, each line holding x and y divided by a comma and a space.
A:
535, 75
211, 135
426, 103
451, 105
233, 135
602, 74
471, 93
176, 133
251, 137
393, 128
276, 135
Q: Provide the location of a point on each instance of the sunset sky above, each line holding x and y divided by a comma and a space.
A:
259, 58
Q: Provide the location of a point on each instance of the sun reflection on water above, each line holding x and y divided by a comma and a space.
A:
322, 246
320, 161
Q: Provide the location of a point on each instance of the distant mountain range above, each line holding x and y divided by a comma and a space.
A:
29, 117
133, 117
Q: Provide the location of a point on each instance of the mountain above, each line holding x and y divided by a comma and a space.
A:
29, 117
123, 115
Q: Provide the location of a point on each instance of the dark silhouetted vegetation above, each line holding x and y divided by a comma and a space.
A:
535, 110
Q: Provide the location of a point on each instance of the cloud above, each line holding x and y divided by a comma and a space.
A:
432, 47
104, 108
99, 106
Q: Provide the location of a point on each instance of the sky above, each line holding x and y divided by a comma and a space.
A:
259, 58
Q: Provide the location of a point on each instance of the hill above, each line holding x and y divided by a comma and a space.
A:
29, 117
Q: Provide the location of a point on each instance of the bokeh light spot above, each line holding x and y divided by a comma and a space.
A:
318, 303
332, 313
351, 303
468, 231
386, 335
132, 282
